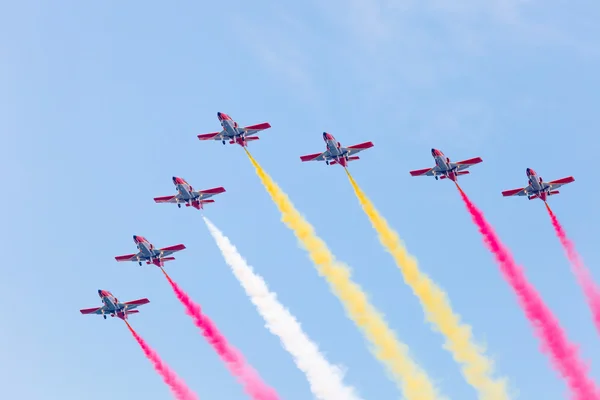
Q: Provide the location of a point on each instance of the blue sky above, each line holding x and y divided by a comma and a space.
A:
100, 105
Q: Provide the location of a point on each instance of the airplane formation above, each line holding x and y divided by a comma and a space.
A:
334, 154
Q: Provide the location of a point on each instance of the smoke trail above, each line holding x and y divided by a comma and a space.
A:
584, 278
235, 362
178, 387
326, 380
410, 378
554, 342
477, 368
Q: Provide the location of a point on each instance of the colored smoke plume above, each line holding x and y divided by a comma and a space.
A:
178, 387
476, 367
410, 378
554, 342
584, 278
237, 365
326, 380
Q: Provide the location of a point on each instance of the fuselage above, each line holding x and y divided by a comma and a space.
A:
537, 184
146, 248
111, 303
335, 150
185, 190
443, 164
230, 127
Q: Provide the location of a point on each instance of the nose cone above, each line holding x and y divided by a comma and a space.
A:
100, 292
136, 238
219, 115
530, 172
178, 181
327, 136
436, 152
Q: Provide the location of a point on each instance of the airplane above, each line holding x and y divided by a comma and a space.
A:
335, 153
445, 168
233, 132
187, 195
113, 307
148, 253
537, 188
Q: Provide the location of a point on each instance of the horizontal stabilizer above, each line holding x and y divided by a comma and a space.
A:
132, 311
443, 177
332, 162
207, 201
463, 172
535, 196
552, 193
353, 158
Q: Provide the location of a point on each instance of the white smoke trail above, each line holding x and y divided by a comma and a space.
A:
325, 379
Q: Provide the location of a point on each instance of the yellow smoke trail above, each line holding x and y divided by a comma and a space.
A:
410, 378
476, 367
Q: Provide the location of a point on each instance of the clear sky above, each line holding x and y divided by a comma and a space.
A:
100, 105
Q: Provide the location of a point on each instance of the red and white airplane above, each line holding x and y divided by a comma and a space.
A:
336, 154
445, 168
148, 253
187, 195
537, 188
233, 132
112, 306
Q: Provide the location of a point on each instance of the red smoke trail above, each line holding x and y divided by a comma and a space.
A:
178, 387
555, 344
252, 382
591, 291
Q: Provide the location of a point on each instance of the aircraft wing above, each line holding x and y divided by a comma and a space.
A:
130, 257
213, 136
425, 171
165, 251
95, 310
517, 192
315, 157
359, 147
466, 163
136, 303
254, 129
559, 182
166, 199
204, 194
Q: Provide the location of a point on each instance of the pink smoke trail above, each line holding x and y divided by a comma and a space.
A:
584, 278
554, 342
178, 387
253, 384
